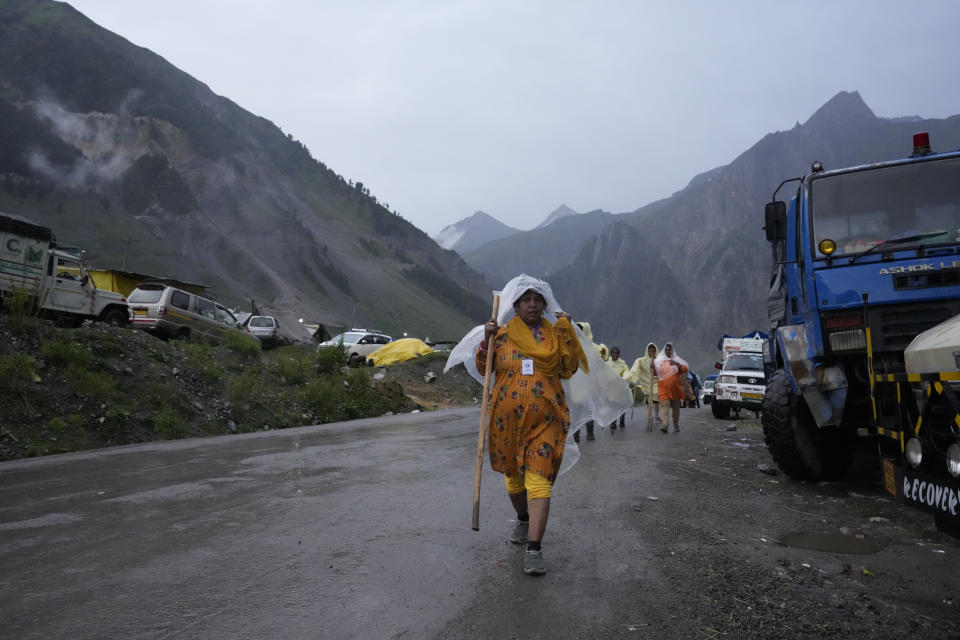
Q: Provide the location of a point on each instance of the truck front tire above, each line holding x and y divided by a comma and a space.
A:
115, 317
798, 446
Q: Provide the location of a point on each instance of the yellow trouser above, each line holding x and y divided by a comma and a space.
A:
534, 484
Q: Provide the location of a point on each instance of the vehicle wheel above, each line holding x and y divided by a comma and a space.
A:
720, 409
182, 334
798, 446
115, 318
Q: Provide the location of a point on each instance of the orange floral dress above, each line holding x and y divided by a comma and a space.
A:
529, 418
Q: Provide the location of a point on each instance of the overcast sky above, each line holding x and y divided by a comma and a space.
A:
443, 108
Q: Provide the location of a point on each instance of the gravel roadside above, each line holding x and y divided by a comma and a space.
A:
750, 553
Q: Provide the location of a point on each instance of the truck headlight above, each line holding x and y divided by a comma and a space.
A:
728, 379
953, 460
853, 340
914, 452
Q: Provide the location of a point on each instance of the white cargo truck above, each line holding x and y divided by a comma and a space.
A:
741, 382
57, 279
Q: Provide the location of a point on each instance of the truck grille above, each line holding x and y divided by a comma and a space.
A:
925, 279
756, 379
893, 327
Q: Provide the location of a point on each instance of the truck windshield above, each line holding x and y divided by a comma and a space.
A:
862, 209
744, 361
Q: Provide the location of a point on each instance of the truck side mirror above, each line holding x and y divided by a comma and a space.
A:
718, 365
775, 220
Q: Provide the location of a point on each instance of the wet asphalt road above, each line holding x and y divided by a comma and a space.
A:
362, 530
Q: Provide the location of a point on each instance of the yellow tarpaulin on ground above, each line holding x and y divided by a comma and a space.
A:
399, 350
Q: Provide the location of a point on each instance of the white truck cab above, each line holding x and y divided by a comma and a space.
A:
58, 279
741, 383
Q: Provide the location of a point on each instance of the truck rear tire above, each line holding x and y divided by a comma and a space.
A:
720, 409
801, 449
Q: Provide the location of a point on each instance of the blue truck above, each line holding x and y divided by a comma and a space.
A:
866, 261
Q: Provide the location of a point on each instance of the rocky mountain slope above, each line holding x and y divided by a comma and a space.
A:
147, 169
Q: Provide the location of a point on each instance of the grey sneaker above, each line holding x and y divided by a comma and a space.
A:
519, 535
533, 564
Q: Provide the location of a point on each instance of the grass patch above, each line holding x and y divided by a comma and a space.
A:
242, 346
17, 373
203, 361
168, 425
93, 385
65, 353
21, 306
324, 399
291, 371
331, 359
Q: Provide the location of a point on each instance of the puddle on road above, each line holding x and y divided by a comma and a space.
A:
832, 542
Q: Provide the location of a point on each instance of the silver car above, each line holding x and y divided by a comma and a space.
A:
265, 328
359, 343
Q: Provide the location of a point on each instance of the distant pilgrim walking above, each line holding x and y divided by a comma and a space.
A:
671, 370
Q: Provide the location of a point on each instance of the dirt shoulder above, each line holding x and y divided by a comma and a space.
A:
783, 558
424, 382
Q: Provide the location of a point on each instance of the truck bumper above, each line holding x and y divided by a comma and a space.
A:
750, 398
937, 495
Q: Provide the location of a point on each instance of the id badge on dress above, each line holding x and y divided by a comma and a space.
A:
526, 366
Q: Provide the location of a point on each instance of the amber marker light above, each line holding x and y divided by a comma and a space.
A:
827, 247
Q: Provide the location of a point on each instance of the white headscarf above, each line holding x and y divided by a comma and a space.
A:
600, 395
671, 371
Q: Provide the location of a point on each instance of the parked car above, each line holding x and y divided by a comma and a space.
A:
707, 392
359, 343
169, 312
265, 328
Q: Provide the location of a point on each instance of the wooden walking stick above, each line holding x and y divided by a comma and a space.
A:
483, 414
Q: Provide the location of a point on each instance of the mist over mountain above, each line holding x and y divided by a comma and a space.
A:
472, 232
144, 167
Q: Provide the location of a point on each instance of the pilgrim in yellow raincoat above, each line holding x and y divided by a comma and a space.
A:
640, 373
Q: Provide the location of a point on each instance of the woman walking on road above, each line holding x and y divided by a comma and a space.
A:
670, 370
534, 364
